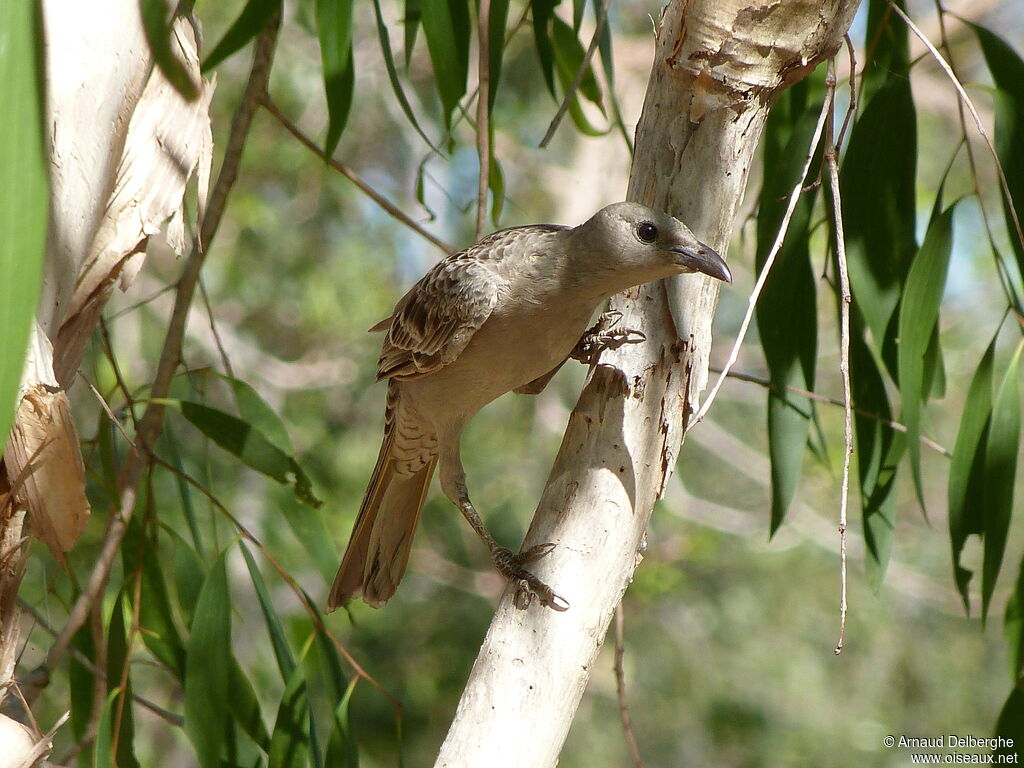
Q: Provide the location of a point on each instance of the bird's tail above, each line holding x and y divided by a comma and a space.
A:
378, 550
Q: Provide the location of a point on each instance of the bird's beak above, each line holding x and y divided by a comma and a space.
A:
703, 259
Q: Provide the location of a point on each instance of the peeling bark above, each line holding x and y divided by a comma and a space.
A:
717, 69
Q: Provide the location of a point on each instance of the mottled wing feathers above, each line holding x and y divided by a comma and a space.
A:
436, 319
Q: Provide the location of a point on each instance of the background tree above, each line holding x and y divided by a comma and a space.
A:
302, 263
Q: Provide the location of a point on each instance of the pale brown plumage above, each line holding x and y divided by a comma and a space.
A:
499, 316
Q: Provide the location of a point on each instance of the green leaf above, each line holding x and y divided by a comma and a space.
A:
283, 654
569, 56
1011, 722
918, 321
496, 23
879, 205
787, 310
542, 12
341, 747
103, 748
879, 449
184, 489
248, 444
446, 27
208, 669
966, 471
411, 22
189, 574
159, 632
120, 728
496, 183
389, 64
250, 22
313, 534
334, 28
1000, 476
1007, 70
290, 741
245, 707
23, 192
888, 50
1013, 628
253, 409
81, 682
158, 34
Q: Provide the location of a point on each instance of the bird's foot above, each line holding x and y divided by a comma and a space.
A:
528, 586
602, 335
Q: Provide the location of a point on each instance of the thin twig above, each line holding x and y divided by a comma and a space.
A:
152, 420
106, 409
108, 350
620, 688
851, 110
974, 113
767, 384
844, 339
389, 207
483, 108
570, 92
766, 268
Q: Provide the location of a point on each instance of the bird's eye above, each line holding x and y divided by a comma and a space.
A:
647, 232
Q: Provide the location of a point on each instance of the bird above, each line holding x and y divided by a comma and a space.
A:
502, 315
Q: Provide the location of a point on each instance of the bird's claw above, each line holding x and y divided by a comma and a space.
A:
602, 336
528, 587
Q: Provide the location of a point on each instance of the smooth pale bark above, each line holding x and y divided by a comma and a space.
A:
718, 66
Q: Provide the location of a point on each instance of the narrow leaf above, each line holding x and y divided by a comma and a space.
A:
341, 747
290, 741
966, 471
158, 34
411, 22
307, 523
496, 23
121, 723
879, 449
447, 33
283, 654
1011, 724
1000, 476
1007, 70
543, 11
207, 674
334, 28
879, 205
250, 22
918, 320
787, 310
1013, 628
248, 444
245, 707
389, 64
23, 192
569, 56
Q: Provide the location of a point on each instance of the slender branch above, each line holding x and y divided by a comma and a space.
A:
974, 114
389, 207
844, 340
620, 688
152, 420
767, 384
570, 92
769, 261
483, 109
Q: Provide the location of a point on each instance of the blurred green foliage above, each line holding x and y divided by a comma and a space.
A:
729, 638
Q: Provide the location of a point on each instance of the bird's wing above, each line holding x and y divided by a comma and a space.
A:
436, 319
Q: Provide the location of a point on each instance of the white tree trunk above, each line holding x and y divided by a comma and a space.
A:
717, 69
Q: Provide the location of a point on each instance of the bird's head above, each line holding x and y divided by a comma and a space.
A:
650, 244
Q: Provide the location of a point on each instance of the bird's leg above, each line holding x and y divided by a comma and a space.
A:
508, 563
602, 335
